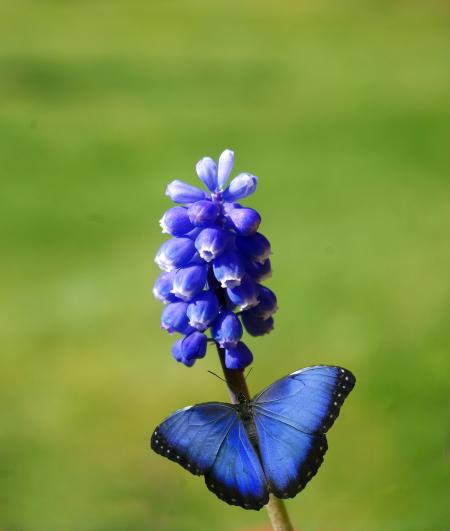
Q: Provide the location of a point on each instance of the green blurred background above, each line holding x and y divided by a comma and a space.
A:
342, 109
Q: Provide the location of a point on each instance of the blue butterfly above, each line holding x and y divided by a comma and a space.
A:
272, 443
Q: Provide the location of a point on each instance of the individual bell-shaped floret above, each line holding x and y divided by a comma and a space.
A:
181, 192
203, 310
162, 290
245, 221
267, 305
245, 295
177, 353
176, 221
227, 330
226, 161
193, 346
175, 319
211, 242
203, 213
189, 281
238, 357
256, 247
175, 253
229, 269
257, 271
256, 326
241, 186
206, 169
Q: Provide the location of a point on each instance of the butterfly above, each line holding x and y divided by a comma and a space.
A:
272, 443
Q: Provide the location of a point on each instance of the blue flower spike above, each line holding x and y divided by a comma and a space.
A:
213, 266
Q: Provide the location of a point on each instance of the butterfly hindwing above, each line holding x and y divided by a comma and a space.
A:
192, 436
290, 457
237, 476
291, 417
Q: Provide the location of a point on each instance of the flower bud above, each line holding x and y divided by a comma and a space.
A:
206, 169
189, 281
245, 221
203, 310
174, 318
229, 269
267, 305
245, 295
227, 330
256, 326
181, 192
203, 213
175, 253
193, 346
211, 242
257, 271
256, 247
176, 221
177, 353
241, 186
238, 357
226, 161
162, 290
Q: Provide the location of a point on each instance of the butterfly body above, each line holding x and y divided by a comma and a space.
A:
245, 412
272, 443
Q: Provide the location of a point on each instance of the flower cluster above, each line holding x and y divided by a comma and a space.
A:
213, 266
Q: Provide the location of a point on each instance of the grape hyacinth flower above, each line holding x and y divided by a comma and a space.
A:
213, 266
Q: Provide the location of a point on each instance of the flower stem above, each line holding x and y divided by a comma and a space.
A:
236, 384
278, 515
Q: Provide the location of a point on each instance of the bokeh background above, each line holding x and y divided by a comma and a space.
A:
342, 110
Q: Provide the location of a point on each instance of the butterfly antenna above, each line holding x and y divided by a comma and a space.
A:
247, 375
217, 376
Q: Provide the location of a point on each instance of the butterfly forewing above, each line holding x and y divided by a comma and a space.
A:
192, 436
309, 400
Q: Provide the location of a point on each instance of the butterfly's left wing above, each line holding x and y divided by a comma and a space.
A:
209, 439
291, 418
192, 436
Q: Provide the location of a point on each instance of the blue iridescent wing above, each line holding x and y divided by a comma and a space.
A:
291, 418
192, 436
209, 439
237, 476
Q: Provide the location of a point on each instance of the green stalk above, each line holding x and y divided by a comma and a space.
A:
236, 384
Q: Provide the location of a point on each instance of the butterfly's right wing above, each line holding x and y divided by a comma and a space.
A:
291, 418
209, 439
